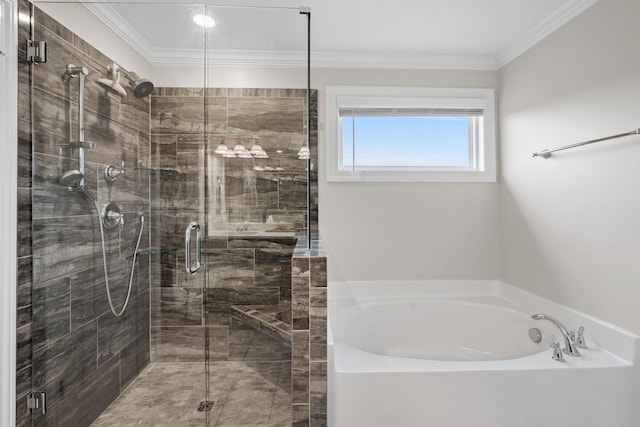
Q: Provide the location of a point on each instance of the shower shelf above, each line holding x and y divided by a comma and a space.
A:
161, 251
160, 171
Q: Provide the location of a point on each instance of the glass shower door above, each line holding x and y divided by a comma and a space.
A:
117, 333
256, 205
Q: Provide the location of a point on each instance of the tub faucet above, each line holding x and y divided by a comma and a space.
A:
570, 346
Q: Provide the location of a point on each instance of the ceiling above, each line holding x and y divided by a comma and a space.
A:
421, 34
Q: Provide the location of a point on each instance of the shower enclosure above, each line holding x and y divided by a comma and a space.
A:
167, 195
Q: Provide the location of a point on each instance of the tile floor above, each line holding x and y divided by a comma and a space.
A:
246, 393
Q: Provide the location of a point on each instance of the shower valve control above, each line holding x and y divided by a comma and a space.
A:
111, 173
111, 216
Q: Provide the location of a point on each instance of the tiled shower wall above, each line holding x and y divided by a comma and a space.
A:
309, 361
243, 268
69, 343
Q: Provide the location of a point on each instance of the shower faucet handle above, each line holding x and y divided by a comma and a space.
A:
111, 173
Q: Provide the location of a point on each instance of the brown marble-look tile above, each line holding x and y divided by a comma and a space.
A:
185, 114
142, 275
264, 242
50, 199
176, 306
24, 154
163, 151
265, 115
166, 229
81, 405
51, 302
318, 324
55, 123
301, 415
134, 358
24, 348
318, 394
273, 267
24, 232
231, 267
177, 344
115, 142
144, 150
163, 269
23, 381
190, 154
247, 343
318, 269
23, 419
292, 191
94, 53
89, 296
134, 112
24, 282
178, 192
60, 244
300, 366
218, 342
179, 91
116, 333
219, 300
300, 293
67, 361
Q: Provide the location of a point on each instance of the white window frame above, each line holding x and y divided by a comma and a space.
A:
483, 153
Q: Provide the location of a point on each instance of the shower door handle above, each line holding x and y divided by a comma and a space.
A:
187, 246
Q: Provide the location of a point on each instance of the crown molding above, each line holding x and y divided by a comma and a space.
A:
373, 60
173, 57
116, 23
542, 30
402, 61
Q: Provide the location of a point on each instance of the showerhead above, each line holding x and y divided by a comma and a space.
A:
71, 178
141, 87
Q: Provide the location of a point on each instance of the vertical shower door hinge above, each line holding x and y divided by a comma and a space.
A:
37, 402
36, 51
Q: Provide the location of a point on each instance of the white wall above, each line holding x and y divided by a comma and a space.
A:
406, 231
571, 224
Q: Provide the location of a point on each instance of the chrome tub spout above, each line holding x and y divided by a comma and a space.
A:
570, 346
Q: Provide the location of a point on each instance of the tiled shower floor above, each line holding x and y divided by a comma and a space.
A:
167, 395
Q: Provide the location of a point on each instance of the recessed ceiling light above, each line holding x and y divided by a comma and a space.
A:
204, 21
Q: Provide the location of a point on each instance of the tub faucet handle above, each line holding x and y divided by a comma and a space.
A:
580, 342
557, 352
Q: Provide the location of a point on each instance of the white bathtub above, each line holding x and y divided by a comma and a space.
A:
458, 354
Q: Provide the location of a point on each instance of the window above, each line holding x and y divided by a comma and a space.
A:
410, 134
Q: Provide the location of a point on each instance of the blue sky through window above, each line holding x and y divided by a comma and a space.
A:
409, 141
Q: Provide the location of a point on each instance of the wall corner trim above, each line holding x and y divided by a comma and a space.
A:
8, 217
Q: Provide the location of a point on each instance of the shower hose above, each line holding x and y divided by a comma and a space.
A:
104, 260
